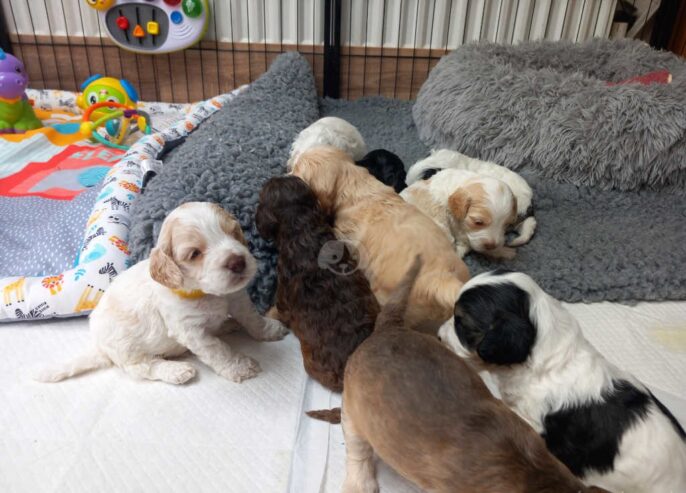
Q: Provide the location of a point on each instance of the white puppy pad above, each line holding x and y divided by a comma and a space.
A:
648, 339
106, 432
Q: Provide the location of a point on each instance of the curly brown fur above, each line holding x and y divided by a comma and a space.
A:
425, 413
331, 314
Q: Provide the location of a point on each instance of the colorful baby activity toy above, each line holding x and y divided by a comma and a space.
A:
112, 103
153, 26
16, 113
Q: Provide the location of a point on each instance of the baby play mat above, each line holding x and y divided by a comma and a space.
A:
65, 205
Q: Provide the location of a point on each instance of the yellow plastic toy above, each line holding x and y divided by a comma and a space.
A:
113, 103
100, 4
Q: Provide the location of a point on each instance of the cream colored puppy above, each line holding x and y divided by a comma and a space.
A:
329, 131
474, 211
178, 301
387, 233
447, 159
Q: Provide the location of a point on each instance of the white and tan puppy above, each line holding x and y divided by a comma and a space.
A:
178, 301
474, 211
329, 131
520, 189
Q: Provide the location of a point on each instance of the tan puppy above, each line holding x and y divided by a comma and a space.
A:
388, 232
431, 418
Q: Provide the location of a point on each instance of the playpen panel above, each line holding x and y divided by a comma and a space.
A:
386, 47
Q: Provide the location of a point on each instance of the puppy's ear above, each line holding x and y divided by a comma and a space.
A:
459, 203
230, 224
238, 234
509, 341
164, 270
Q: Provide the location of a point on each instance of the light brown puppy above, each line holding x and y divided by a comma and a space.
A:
431, 418
388, 232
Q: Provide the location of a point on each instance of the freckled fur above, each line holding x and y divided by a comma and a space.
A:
140, 320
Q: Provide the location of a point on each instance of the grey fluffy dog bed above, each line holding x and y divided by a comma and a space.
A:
228, 159
590, 244
546, 107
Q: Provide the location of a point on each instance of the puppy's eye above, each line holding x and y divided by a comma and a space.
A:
478, 222
194, 254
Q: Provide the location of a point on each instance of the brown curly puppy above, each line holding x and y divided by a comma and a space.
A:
331, 310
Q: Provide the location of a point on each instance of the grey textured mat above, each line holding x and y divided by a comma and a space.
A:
228, 159
590, 244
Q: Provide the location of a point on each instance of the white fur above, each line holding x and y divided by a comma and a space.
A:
139, 322
565, 369
329, 131
500, 203
445, 158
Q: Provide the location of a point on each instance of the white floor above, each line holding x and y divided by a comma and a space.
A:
107, 433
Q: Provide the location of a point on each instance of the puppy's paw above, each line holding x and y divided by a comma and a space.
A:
179, 373
273, 312
502, 253
241, 368
273, 330
507, 253
360, 485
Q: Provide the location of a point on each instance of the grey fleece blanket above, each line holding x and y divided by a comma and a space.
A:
228, 159
590, 244
546, 107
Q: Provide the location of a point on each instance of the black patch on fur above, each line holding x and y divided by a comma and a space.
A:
428, 173
385, 167
493, 320
677, 426
586, 437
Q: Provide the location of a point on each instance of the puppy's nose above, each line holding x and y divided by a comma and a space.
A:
236, 263
489, 245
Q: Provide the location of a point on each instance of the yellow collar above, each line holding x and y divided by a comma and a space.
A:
188, 295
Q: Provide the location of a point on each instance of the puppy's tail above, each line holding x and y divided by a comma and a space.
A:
93, 360
392, 314
332, 416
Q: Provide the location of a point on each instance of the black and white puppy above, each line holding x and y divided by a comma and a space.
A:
385, 167
596, 418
